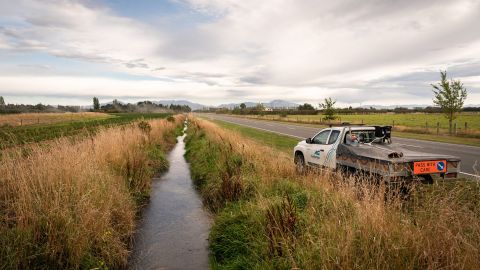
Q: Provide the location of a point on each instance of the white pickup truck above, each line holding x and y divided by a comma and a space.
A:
370, 149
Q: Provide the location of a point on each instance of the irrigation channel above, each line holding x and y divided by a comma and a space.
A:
174, 228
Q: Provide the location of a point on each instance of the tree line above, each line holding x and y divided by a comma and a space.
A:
141, 106
113, 107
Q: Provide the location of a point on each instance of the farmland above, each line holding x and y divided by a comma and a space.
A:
415, 121
268, 217
51, 126
26, 119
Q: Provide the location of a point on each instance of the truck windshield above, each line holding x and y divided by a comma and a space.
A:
364, 136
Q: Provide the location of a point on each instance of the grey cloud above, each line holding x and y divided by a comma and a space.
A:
138, 63
253, 80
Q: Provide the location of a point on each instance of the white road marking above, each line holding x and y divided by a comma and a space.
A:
410, 145
471, 175
289, 135
285, 134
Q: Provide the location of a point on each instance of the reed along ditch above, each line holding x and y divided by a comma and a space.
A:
173, 231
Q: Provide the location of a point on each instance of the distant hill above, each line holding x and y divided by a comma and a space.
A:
272, 104
192, 105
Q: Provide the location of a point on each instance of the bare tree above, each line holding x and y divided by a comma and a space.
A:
450, 96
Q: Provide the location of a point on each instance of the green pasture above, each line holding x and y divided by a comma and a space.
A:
397, 119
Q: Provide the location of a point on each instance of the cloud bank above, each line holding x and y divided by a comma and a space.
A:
370, 52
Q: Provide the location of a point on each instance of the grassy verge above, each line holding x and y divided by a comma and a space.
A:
280, 142
268, 217
11, 136
72, 204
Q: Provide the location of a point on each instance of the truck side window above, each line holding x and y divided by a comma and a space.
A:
321, 137
333, 136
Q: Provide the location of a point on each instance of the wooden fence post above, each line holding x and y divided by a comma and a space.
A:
438, 128
393, 123
455, 128
21, 122
426, 126
362, 121
466, 126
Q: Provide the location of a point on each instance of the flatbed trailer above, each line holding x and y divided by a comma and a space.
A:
369, 149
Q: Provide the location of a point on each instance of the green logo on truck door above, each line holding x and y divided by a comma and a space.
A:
316, 154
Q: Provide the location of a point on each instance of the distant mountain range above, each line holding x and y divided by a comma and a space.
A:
409, 106
272, 104
197, 106
278, 103
192, 105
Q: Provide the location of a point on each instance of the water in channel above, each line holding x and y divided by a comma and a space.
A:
174, 228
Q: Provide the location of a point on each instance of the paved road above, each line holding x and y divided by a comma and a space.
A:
470, 155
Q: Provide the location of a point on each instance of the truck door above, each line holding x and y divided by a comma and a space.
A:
316, 150
330, 157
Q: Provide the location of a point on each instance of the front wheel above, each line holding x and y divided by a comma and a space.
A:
300, 163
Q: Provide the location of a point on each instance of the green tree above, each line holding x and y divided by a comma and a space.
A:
306, 107
450, 96
243, 106
328, 109
96, 104
2, 101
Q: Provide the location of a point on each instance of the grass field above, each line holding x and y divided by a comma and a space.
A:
269, 217
408, 119
26, 119
81, 124
420, 122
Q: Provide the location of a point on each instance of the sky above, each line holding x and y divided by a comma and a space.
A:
380, 52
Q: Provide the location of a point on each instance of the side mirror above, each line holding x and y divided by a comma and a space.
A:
308, 140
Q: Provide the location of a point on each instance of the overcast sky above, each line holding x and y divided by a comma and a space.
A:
384, 52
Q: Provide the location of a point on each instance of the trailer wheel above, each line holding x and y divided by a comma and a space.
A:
300, 163
427, 179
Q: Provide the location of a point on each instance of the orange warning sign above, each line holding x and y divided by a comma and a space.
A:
422, 167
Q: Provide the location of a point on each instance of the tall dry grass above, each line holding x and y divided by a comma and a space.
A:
72, 204
327, 220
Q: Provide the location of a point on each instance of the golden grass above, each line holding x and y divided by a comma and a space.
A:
346, 224
71, 204
25, 119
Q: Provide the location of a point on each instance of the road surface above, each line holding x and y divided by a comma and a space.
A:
470, 155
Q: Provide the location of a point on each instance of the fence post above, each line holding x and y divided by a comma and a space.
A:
362, 121
466, 126
393, 124
455, 128
438, 128
21, 122
426, 126
38, 120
